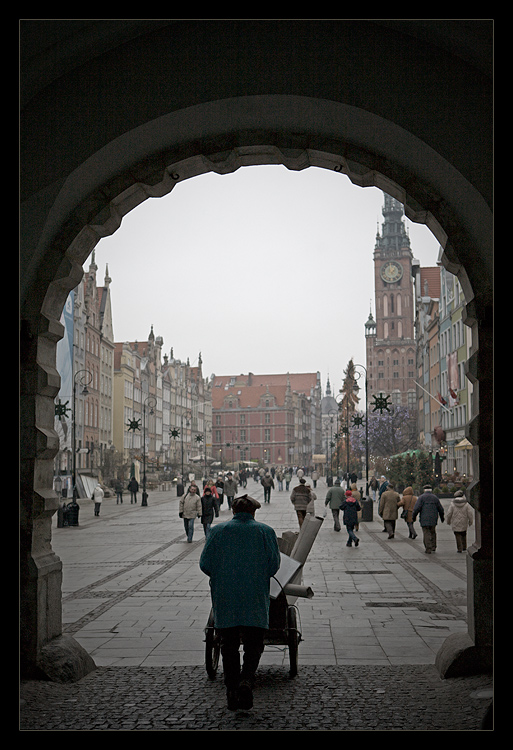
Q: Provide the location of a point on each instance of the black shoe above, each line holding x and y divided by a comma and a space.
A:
245, 696
357, 542
232, 700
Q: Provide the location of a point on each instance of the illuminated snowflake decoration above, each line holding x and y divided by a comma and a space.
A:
134, 424
199, 438
175, 433
61, 410
381, 403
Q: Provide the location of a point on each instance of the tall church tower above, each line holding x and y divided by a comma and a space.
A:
390, 339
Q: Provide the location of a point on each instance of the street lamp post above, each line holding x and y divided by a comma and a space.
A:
151, 402
329, 478
367, 514
205, 425
85, 378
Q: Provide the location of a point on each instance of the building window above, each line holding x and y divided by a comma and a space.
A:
267, 435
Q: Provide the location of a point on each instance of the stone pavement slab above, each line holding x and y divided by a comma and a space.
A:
134, 597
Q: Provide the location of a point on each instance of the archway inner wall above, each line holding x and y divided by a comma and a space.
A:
65, 217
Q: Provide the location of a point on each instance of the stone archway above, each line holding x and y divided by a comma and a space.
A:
64, 219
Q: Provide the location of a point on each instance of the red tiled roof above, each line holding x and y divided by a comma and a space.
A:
301, 382
248, 395
432, 276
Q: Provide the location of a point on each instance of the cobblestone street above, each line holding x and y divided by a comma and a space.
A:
135, 599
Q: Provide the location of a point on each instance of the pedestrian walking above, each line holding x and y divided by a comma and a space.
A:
315, 477
382, 487
268, 484
310, 508
459, 517
288, 477
230, 489
279, 479
207, 510
388, 509
133, 486
215, 497
98, 498
374, 486
335, 496
240, 556
300, 497
119, 492
357, 496
429, 508
407, 503
189, 509
350, 507
220, 490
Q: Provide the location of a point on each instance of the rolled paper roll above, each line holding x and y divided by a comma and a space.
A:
292, 589
306, 538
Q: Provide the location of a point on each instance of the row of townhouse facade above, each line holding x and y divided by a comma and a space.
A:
162, 409
443, 345
272, 419
127, 407
122, 405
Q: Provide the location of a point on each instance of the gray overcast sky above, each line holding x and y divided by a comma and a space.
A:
264, 270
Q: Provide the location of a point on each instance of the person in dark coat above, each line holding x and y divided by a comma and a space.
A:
350, 507
300, 497
240, 557
268, 484
207, 509
133, 486
429, 508
230, 489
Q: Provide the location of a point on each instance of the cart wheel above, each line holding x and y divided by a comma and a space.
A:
212, 648
293, 638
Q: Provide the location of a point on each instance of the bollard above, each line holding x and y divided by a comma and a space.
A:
367, 510
60, 515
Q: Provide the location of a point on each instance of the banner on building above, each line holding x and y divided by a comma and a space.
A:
64, 400
453, 378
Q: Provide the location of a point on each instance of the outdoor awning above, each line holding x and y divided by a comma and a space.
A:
463, 445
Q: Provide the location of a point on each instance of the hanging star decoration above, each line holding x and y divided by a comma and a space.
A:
134, 424
358, 420
175, 433
381, 403
199, 438
62, 409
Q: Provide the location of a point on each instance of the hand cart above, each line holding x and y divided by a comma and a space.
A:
283, 614
283, 631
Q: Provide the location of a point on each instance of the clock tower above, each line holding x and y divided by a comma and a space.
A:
390, 340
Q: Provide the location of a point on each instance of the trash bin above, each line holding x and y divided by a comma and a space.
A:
367, 510
71, 514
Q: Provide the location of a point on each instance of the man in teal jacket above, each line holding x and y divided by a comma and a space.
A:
240, 556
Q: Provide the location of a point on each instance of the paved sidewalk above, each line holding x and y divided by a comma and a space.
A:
134, 597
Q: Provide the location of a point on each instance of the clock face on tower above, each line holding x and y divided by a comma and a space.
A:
391, 272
